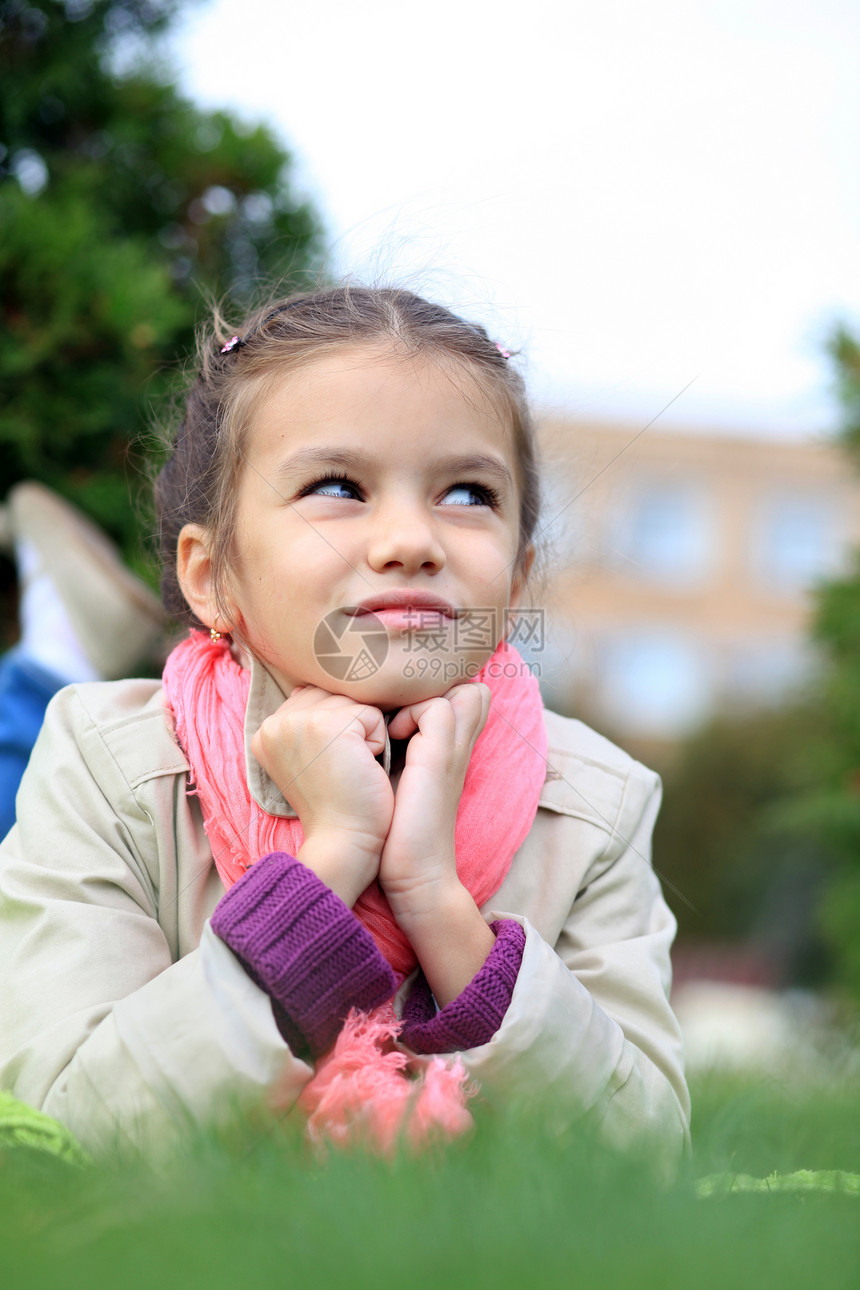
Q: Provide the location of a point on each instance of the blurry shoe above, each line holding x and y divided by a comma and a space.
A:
115, 620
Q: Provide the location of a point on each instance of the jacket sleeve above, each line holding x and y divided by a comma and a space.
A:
589, 1022
102, 1024
305, 948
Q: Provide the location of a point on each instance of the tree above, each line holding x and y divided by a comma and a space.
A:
833, 809
123, 209
738, 870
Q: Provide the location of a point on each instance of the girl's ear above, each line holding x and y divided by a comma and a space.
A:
521, 576
194, 571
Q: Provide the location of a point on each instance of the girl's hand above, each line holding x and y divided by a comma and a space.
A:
320, 750
418, 869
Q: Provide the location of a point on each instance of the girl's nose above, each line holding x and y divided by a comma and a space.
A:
404, 537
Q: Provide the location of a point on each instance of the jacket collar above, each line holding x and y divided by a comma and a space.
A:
265, 696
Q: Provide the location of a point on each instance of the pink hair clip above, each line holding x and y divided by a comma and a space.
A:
505, 353
231, 344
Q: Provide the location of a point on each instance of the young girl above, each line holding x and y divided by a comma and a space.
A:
344, 819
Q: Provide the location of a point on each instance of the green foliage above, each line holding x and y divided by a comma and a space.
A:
741, 868
845, 353
123, 208
833, 807
515, 1205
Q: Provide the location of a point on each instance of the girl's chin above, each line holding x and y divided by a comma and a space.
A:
387, 689
392, 693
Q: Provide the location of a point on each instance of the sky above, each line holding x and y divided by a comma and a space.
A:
657, 203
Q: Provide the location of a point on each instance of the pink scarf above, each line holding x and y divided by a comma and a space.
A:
207, 694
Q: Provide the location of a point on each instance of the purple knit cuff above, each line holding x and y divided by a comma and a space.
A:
301, 944
476, 1014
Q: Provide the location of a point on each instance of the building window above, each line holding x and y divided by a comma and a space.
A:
654, 683
795, 541
765, 671
663, 530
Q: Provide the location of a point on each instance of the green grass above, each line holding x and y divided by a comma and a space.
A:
511, 1207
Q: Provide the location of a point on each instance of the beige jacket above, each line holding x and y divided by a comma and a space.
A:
123, 1015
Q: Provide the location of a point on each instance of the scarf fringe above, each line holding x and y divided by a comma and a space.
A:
363, 1093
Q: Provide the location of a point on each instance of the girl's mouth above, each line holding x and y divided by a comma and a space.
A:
406, 609
407, 618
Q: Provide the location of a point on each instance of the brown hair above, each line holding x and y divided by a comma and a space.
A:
199, 482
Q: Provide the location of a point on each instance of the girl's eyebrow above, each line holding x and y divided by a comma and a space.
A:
348, 459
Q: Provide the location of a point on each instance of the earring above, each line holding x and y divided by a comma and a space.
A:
213, 635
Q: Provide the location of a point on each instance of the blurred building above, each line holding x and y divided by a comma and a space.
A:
680, 570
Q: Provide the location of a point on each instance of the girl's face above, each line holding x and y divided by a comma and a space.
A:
377, 528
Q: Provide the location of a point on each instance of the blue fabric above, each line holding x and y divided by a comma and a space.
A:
25, 692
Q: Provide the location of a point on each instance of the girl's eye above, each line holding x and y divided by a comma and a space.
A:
332, 486
471, 495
